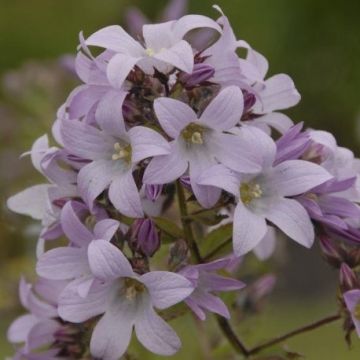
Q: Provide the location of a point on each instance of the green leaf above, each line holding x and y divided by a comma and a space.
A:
169, 227
207, 217
217, 239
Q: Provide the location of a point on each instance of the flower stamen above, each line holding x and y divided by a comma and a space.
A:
122, 152
133, 288
250, 191
193, 134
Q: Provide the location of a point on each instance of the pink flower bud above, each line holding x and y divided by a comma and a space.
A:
201, 73
153, 192
146, 237
348, 279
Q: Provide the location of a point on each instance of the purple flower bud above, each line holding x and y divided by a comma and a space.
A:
146, 237
153, 192
249, 100
348, 279
201, 73
185, 181
330, 251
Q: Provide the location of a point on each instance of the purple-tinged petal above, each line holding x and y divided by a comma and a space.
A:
225, 111
77, 309
109, 114
154, 333
291, 218
146, 143
352, 301
339, 206
73, 228
214, 282
135, 20
334, 185
278, 121
112, 334
173, 115
31, 201
119, 68
179, 55
63, 263
191, 22
174, 10
85, 141
38, 150
192, 304
211, 303
20, 328
42, 334
249, 230
24, 291
267, 245
94, 178
279, 93
107, 262
221, 177
166, 288
294, 177
40, 308
124, 195
166, 168
115, 38
106, 229
234, 153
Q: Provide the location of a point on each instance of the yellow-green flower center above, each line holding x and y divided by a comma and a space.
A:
357, 311
250, 191
122, 152
150, 52
193, 134
133, 288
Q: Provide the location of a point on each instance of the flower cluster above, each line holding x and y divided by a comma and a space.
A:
175, 112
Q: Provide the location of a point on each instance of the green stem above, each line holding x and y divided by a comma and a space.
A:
186, 223
290, 334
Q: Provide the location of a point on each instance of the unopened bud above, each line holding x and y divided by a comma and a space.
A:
185, 181
348, 279
178, 254
201, 73
249, 100
145, 237
330, 251
153, 192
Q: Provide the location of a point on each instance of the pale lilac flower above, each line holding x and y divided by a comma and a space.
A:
114, 153
352, 301
36, 329
206, 281
164, 47
128, 301
265, 196
200, 142
71, 262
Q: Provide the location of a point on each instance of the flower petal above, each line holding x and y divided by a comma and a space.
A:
94, 178
115, 38
211, 303
166, 288
106, 229
225, 111
31, 201
249, 230
119, 68
124, 195
77, 309
173, 115
20, 328
73, 228
84, 140
63, 263
291, 218
109, 114
146, 143
107, 262
267, 245
154, 333
166, 168
179, 55
294, 177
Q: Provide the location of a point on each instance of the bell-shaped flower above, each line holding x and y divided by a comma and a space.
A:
71, 262
164, 47
201, 142
114, 152
128, 301
206, 281
265, 196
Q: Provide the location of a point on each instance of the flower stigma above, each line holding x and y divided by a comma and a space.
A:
122, 152
193, 134
250, 191
133, 288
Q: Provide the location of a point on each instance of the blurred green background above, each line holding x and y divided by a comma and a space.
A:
316, 42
